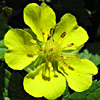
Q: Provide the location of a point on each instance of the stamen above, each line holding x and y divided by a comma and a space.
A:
50, 66
43, 35
69, 45
63, 57
42, 32
52, 31
74, 56
66, 64
41, 49
33, 41
49, 37
63, 35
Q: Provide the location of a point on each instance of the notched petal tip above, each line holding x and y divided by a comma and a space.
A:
44, 19
80, 73
20, 49
37, 86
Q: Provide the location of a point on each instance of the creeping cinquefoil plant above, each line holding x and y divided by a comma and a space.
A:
49, 51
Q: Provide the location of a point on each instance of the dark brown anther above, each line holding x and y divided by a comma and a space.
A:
49, 37
52, 31
69, 45
43, 33
63, 35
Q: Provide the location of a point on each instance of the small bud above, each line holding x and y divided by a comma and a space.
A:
69, 45
52, 31
7, 11
63, 35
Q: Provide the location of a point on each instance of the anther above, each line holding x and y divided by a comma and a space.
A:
52, 31
74, 56
50, 66
69, 45
65, 58
63, 35
49, 37
41, 49
66, 64
42, 32
33, 41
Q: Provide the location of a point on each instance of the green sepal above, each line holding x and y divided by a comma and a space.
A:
34, 36
35, 64
3, 48
93, 93
71, 52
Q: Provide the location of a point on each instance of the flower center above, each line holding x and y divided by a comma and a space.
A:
51, 51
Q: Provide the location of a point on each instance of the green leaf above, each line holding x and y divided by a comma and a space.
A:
7, 98
4, 77
3, 19
3, 48
93, 93
3, 26
11, 86
16, 90
3, 29
94, 58
7, 76
71, 52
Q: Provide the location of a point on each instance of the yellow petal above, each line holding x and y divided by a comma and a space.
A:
78, 73
68, 34
21, 52
40, 19
50, 88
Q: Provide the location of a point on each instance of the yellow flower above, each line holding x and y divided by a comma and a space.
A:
50, 53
